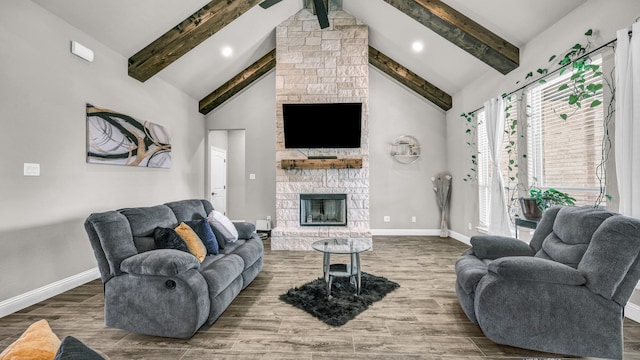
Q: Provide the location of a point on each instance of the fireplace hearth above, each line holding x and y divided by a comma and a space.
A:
323, 209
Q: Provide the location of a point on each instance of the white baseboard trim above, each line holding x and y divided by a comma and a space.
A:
462, 238
632, 311
419, 232
405, 232
35, 296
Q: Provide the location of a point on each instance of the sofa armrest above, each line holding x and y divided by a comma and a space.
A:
163, 262
245, 229
536, 269
494, 247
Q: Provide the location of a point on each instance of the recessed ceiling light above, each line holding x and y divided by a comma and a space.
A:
417, 46
227, 51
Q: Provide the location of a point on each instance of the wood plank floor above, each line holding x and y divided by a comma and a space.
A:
420, 320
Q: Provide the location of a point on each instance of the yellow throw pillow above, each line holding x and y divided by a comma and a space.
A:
195, 245
38, 342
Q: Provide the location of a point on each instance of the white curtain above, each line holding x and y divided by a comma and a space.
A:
494, 117
627, 123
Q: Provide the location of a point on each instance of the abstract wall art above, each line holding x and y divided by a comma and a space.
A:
115, 138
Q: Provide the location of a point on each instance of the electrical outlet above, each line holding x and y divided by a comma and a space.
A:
413, 219
387, 218
31, 169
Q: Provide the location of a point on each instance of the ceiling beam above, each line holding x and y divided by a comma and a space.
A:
463, 32
410, 79
252, 73
185, 36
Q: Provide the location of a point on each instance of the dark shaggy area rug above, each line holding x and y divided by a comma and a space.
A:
344, 304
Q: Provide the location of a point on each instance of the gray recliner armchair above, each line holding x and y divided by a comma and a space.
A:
564, 293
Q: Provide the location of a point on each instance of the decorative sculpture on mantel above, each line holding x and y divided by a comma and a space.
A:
442, 188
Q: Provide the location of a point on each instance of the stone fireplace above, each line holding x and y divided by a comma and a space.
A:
316, 65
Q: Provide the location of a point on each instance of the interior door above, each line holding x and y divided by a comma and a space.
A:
219, 179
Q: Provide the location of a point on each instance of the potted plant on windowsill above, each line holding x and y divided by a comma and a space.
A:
533, 207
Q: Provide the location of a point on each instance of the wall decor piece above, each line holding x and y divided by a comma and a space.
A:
114, 138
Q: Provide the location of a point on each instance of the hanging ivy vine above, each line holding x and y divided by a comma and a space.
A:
471, 134
582, 92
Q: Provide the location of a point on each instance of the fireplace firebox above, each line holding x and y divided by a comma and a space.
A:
323, 209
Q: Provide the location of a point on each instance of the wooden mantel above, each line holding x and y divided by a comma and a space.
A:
305, 164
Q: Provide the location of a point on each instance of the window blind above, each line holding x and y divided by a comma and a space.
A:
564, 154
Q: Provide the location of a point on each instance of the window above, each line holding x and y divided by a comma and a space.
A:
563, 154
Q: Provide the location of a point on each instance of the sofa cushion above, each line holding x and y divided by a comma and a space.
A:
249, 250
568, 254
576, 225
245, 229
221, 273
38, 342
195, 245
205, 233
222, 227
73, 349
144, 243
495, 247
167, 238
144, 220
610, 262
188, 210
573, 229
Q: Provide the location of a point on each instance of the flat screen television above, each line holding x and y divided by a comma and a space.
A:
326, 125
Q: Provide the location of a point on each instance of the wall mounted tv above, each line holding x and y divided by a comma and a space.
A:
325, 125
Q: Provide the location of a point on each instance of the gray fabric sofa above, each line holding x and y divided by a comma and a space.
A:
166, 292
564, 293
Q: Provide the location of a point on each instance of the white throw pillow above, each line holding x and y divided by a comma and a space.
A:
223, 226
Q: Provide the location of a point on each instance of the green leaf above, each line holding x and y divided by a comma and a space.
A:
468, 131
530, 74
595, 103
524, 156
563, 87
594, 87
542, 81
564, 116
573, 99
552, 58
589, 32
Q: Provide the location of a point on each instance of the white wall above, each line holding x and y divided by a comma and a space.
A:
604, 17
252, 110
397, 190
43, 91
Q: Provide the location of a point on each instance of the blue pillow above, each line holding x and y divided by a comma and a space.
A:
73, 349
204, 232
167, 238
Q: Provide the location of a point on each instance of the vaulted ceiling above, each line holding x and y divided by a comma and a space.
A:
180, 41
